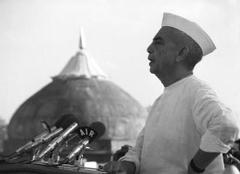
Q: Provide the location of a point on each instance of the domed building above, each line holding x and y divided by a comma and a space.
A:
81, 89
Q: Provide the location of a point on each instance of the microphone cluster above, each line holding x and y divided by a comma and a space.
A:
46, 143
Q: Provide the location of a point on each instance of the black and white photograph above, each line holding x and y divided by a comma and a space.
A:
120, 86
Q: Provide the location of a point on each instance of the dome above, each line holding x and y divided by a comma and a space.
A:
89, 100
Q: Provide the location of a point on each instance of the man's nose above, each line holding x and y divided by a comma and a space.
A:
149, 49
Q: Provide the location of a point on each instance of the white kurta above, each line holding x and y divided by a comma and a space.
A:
188, 115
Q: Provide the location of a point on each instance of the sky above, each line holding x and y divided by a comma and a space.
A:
38, 37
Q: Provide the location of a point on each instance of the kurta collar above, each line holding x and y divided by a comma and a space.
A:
178, 83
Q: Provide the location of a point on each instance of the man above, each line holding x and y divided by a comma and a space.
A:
188, 128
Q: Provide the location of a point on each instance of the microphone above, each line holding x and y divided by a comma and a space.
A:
87, 134
46, 135
72, 125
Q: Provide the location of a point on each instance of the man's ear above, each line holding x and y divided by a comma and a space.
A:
182, 54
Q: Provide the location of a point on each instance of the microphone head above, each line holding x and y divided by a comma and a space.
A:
66, 120
99, 128
95, 130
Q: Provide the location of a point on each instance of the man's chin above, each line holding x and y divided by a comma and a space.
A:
151, 70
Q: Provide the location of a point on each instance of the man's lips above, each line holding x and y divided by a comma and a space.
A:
151, 63
150, 59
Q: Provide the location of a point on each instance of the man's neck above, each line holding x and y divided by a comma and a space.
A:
172, 78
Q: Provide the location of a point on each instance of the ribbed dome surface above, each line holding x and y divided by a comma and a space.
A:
88, 99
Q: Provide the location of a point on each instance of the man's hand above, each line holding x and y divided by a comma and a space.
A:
119, 167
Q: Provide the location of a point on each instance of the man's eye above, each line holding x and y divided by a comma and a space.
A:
158, 42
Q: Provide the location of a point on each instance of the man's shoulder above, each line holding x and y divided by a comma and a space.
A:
199, 84
201, 89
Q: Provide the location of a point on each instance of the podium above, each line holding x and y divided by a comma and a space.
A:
39, 169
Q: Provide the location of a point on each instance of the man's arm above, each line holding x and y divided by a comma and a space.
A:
217, 125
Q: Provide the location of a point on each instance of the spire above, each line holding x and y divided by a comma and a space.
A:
81, 65
81, 40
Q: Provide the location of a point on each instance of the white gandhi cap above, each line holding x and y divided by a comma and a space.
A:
191, 29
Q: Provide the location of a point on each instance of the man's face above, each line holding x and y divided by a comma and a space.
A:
162, 52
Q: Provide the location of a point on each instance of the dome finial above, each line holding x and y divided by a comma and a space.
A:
81, 65
81, 40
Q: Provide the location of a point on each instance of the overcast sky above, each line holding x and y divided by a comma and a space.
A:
38, 37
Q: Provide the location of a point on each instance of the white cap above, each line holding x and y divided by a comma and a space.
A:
191, 29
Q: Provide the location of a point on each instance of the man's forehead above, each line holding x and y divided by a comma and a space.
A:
158, 37
163, 33
170, 33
